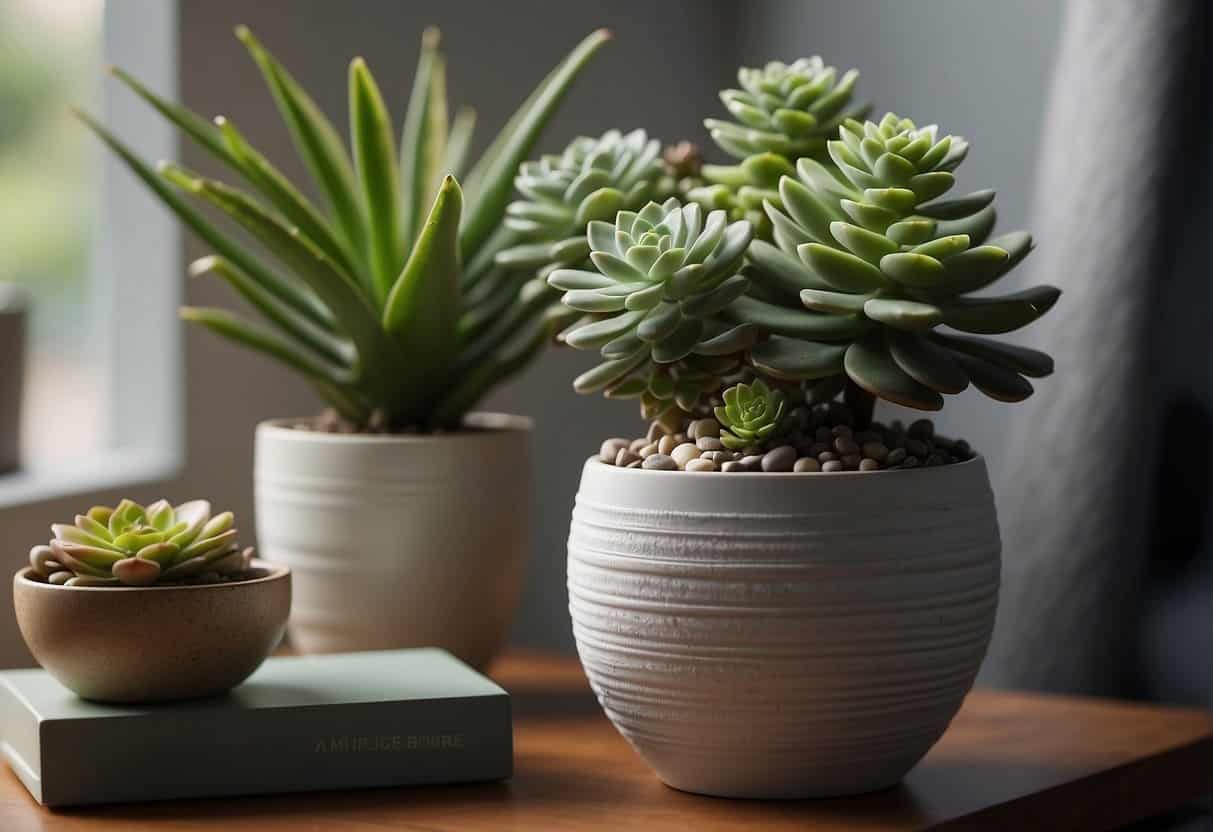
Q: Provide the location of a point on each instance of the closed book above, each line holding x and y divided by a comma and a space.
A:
380, 718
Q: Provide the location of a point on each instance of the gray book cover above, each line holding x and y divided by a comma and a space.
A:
379, 718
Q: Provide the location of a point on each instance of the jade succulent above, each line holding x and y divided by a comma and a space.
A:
750, 415
878, 262
134, 545
387, 298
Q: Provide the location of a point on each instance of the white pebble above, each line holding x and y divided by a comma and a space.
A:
659, 462
610, 449
702, 428
684, 453
806, 465
701, 465
709, 443
666, 444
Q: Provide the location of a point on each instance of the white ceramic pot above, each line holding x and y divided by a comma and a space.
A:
783, 635
398, 540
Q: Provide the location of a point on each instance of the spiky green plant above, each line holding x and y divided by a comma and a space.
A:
750, 415
660, 280
783, 112
394, 307
862, 274
133, 545
593, 179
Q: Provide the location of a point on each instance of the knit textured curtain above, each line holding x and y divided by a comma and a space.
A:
1076, 508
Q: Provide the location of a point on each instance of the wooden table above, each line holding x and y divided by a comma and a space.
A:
1009, 762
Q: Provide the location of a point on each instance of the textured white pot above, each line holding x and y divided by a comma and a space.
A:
398, 541
783, 635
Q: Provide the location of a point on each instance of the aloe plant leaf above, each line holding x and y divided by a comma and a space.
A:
926, 362
868, 363
495, 180
375, 162
305, 303
321, 343
423, 309
794, 359
280, 193
527, 303
190, 123
317, 141
423, 137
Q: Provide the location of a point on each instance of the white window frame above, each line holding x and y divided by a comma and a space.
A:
135, 279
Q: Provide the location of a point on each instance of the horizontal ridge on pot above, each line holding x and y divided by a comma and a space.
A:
783, 635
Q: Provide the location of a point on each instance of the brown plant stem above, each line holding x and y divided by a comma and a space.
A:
861, 403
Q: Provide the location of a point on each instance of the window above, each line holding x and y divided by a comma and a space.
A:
102, 363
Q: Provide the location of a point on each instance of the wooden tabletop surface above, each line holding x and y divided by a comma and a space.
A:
1009, 762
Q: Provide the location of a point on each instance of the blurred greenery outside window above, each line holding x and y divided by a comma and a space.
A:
50, 57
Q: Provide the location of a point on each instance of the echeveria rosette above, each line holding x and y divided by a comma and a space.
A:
886, 262
662, 277
751, 414
783, 112
593, 179
134, 545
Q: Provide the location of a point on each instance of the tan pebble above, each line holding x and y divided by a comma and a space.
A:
680, 438
702, 428
826, 456
806, 465
732, 467
656, 431
666, 444
637, 444
684, 453
845, 446
831, 466
636, 464
660, 462
716, 456
896, 456
626, 457
869, 465
704, 465
60, 577
648, 450
876, 451
709, 443
610, 449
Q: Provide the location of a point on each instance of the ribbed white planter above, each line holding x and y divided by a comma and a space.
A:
398, 541
783, 635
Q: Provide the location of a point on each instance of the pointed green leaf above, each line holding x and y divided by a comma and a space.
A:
811, 326
1022, 360
736, 339
955, 209
375, 161
835, 303
991, 316
794, 359
862, 243
926, 362
996, 382
903, 314
843, 271
423, 137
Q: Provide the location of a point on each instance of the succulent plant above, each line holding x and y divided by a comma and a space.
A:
398, 312
662, 275
750, 415
134, 545
593, 179
864, 270
784, 112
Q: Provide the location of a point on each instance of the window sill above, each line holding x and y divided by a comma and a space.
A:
101, 472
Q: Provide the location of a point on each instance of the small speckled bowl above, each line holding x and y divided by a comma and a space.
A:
156, 643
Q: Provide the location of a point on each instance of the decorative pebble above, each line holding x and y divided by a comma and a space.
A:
666, 444
934, 459
806, 465
818, 448
875, 451
637, 444
841, 430
703, 428
826, 456
636, 463
921, 429
719, 457
896, 456
626, 457
910, 462
779, 459
684, 453
60, 577
648, 450
751, 462
656, 431
732, 467
916, 447
660, 462
610, 449
831, 466
869, 465
701, 465
709, 443
845, 446
851, 461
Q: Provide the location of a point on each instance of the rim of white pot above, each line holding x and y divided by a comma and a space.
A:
276, 573
475, 424
766, 476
